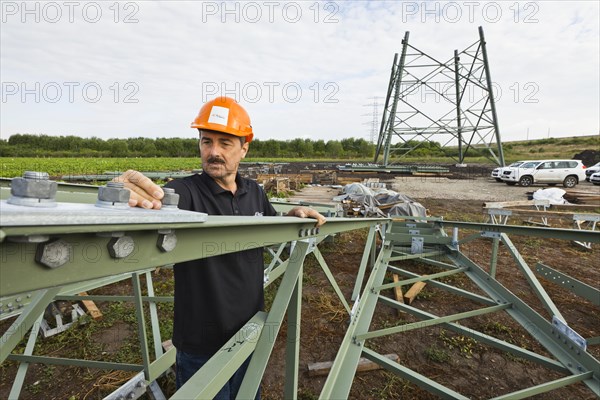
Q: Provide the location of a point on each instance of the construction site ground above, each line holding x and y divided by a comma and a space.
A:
475, 370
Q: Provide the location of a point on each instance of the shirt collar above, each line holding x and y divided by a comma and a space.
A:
216, 189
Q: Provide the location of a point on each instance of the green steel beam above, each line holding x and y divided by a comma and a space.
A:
363, 262
75, 362
339, 380
575, 359
266, 341
218, 235
536, 286
17, 385
421, 278
408, 374
24, 322
480, 337
452, 289
207, 382
545, 387
292, 344
432, 322
331, 278
141, 323
579, 288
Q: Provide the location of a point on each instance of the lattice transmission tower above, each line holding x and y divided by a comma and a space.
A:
437, 104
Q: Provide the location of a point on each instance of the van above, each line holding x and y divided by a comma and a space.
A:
551, 172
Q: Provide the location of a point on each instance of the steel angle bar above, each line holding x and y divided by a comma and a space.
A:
76, 362
15, 390
432, 322
412, 376
407, 256
292, 344
266, 341
218, 235
565, 350
557, 233
371, 239
536, 286
579, 288
449, 288
420, 278
545, 387
479, 336
331, 278
25, 321
207, 382
339, 380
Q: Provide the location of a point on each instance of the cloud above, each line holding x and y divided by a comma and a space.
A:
303, 69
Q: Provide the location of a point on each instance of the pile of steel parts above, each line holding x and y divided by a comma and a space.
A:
373, 199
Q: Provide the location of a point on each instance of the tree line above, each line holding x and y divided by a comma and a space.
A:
29, 145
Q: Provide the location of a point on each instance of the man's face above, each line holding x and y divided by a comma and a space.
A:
221, 153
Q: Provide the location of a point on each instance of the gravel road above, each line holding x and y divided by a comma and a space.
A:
470, 189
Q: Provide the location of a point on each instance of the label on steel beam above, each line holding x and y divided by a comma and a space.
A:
569, 332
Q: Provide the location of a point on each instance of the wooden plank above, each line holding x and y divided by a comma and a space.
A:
398, 292
414, 290
323, 368
91, 308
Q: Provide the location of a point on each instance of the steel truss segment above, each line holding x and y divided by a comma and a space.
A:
408, 374
415, 74
559, 345
546, 387
219, 235
579, 288
207, 382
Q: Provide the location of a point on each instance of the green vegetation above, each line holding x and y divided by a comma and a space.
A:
64, 155
26, 145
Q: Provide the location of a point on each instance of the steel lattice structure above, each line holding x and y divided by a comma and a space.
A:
426, 242
456, 105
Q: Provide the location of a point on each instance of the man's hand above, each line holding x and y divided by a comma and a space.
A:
144, 192
306, 212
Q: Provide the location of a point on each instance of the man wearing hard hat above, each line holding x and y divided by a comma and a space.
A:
215, 296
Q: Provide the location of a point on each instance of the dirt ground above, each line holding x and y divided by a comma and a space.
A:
473, 369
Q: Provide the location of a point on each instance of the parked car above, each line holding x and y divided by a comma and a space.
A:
591, 170
595, 178
551, 172
497, 172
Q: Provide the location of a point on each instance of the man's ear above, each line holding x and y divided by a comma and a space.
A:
245, 148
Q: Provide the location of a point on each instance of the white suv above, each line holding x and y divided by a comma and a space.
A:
552, 172
497, 172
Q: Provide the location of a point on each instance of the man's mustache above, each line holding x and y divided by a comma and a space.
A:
215, 160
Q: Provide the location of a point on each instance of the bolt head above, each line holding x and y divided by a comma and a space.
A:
113, 194
166, 242
121, 247
170, 199
33, 188
53, 254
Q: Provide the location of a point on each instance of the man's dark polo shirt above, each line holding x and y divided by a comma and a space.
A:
215, 296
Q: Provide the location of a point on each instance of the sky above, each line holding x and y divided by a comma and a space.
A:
302, 69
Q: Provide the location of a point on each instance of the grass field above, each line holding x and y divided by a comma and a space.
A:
564, 148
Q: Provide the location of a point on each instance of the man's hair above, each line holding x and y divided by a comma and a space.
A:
242, 138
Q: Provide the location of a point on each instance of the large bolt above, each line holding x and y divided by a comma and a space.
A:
53, 254
171, 199
113, 194
166, 240
34, 189
120, 247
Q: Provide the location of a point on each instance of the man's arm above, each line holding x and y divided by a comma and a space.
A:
144, 192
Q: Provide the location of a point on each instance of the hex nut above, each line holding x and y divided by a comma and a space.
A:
113, 194
33, 188
170, 199
53, 254
120, 247
166, 241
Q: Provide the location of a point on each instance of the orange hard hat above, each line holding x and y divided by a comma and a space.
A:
224, 114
